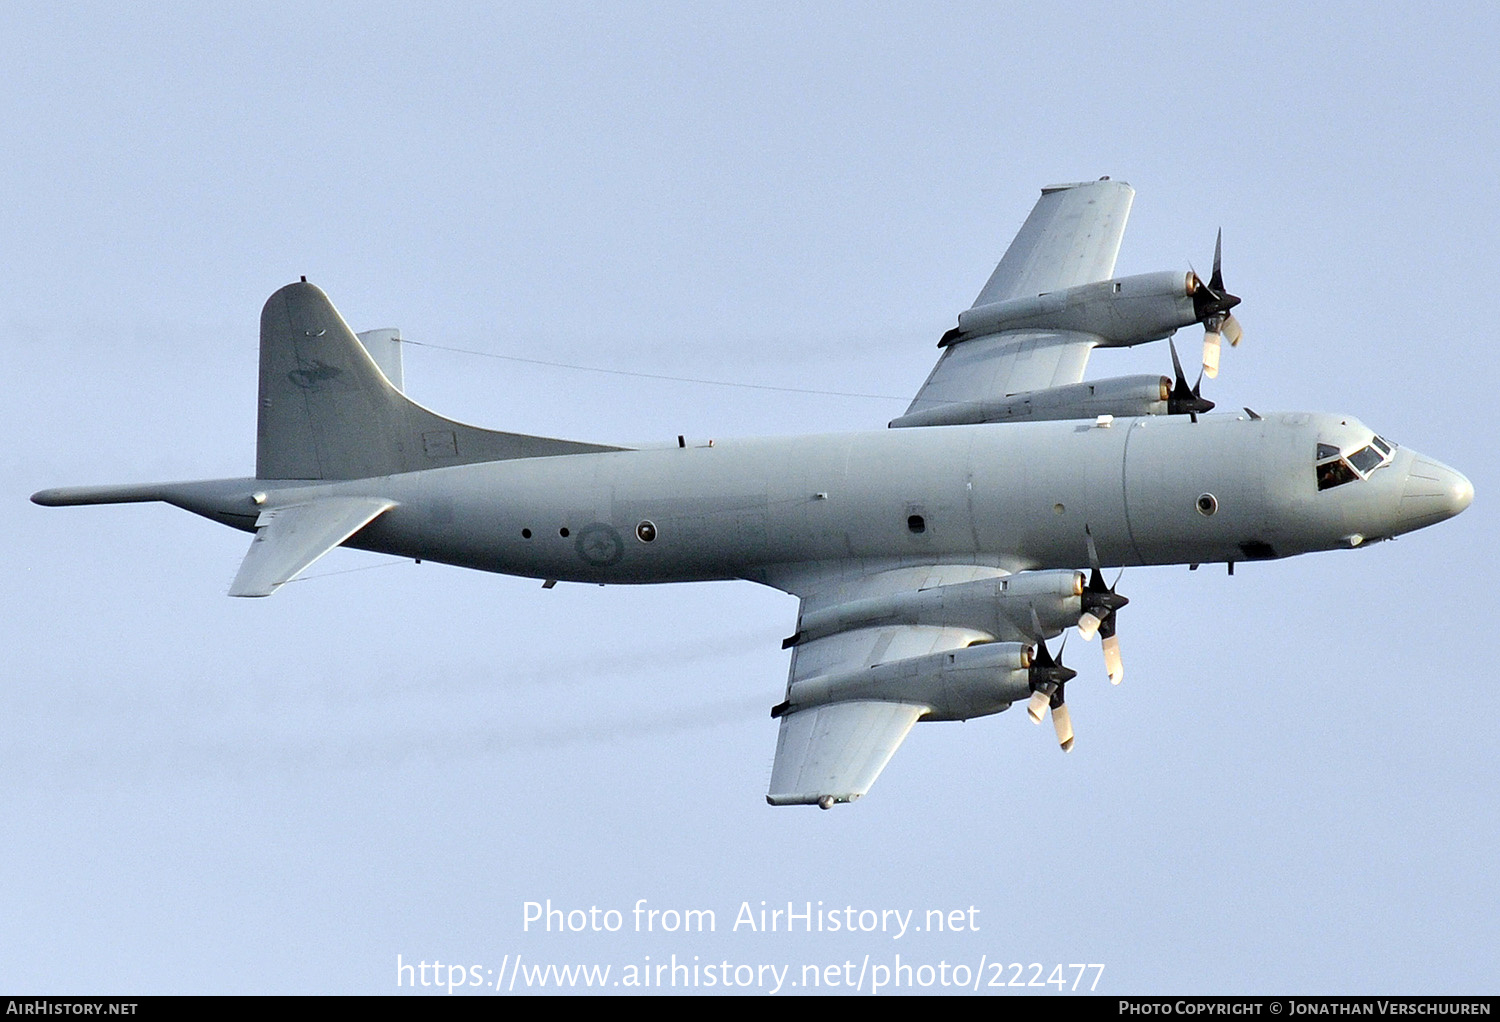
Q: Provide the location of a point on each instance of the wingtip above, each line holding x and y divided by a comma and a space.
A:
1097, 182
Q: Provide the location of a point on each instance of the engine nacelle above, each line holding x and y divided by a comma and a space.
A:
1000, 607
1122, 312
1116, 396
956, 685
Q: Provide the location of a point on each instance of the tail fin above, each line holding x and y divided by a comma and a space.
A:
327, 412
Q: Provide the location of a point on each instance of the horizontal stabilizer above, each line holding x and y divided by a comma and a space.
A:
289, 539
833, 753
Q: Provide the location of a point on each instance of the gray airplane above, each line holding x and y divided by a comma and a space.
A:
933, 559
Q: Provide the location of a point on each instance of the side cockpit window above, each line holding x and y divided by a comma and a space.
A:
1335, 468
1335, 473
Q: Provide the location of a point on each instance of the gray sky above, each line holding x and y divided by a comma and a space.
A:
1294, 789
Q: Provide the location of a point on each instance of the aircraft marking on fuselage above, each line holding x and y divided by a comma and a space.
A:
600, 545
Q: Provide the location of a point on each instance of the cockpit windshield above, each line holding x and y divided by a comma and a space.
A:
1334, 468
1366, 459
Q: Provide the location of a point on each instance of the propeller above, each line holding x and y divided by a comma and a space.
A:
1099, 605
1185, 399
1046, 678
1211, 303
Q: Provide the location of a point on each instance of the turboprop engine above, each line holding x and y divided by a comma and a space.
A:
1001, 607
1121, 396
1120, 312
955, 685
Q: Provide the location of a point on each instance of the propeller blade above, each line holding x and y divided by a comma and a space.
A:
1216, 282
1040, 700
1047, 675
1232, 330
1100, 601
1211, 301
1211, 354
1063, 724
1088, 625
1094, 565
1185, 400
1112, 662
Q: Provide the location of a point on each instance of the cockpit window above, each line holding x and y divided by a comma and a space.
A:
1336, 469
1366, 459
1335, 473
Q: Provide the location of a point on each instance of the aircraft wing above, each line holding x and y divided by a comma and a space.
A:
834, 752
1071, 237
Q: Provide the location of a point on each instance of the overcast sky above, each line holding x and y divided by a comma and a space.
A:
1294, 790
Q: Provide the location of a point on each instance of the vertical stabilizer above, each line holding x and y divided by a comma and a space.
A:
327, 411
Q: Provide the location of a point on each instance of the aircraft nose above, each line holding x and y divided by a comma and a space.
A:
1433, 492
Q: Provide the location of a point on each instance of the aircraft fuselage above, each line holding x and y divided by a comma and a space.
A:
1153, 490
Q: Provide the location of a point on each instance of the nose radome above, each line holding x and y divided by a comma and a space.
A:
1462, 492
1434, 492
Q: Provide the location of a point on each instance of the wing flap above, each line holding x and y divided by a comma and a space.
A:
834, 752
289, 539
